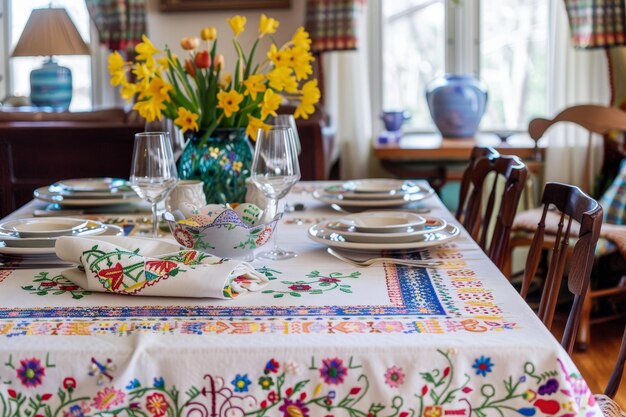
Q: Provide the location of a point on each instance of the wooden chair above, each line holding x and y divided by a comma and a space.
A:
596, 120
490, 229
573, 205
609, 407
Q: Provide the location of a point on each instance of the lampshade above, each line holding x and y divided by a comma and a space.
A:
50, 32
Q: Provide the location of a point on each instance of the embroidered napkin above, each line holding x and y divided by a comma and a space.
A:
135, 266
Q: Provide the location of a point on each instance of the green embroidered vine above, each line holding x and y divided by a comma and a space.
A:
57, 285
320, 285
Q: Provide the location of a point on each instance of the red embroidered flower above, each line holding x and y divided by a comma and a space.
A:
394, 377
48, 284
69, 287
107, 398
69, 383
31, 372
299, 287
264, 236
157, 269
183, 237
115, 274
156, 404
329, 279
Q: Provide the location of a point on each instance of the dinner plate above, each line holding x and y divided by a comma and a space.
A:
109, 230
376, 189
42, 227
335, 239
92, 184
411, 234
90, 228
395, 202
44, 194
380, 221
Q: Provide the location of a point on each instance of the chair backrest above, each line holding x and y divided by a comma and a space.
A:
618, 370
594, 118
489, 229
573, 205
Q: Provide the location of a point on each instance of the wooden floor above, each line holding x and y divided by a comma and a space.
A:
596, 364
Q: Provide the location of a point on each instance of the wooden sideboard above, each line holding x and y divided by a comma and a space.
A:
35, 154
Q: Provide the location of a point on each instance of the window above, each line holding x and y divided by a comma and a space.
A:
504, 42
20, 67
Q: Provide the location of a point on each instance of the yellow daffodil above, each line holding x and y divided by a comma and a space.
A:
299, 60
128, 91
163, 63
118, 77
269, 105
280, 79
267, 25
278, 57
146, 51
254, 124
229, 101
149, 109
254, 85
237, 24
116, 62
186, 120
208, 33
301, 39
142, 71
159, 89
225, 80
310, 96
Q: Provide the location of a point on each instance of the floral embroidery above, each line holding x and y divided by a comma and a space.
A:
394, 377
332, 371
331, 386
156, 404
320, 284
31, 372
101, 370
482, 365
56, 285
266, 382
107, 398
241, 383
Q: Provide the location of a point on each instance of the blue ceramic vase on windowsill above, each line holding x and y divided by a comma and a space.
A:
457, 103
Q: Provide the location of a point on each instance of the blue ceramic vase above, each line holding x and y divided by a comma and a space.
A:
457, 103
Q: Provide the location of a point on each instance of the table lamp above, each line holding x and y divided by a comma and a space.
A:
50, 32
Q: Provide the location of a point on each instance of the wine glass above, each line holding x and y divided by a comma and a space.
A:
275, 170
153, 171
174, 134
288, 120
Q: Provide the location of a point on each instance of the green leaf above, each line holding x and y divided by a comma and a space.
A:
345, 290
278, 295
295, 294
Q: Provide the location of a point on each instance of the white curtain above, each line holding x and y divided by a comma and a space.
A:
347, 100
575, 77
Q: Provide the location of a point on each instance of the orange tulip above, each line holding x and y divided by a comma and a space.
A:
189, 43
219, 62
191, 70
203, 59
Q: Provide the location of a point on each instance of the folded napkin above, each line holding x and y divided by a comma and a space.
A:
135, 266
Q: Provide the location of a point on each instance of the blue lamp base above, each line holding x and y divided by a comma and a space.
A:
51, 86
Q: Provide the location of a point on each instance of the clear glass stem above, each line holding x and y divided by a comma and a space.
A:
273, 211
155, 221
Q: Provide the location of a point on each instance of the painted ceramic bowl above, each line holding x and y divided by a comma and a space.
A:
227, 236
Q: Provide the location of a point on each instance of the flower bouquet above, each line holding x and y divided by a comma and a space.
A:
214, 108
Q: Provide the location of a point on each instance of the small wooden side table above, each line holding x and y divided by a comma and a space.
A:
439, 160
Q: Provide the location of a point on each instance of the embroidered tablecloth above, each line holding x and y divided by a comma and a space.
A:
323, 339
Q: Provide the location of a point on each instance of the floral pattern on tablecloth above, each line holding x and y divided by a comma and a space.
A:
323, 385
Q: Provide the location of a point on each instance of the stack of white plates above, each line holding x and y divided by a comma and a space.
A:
375, 192
87, 192
38, 235
383, 230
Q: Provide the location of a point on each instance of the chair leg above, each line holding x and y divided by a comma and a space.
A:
584, 328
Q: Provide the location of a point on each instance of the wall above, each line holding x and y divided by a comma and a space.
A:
170, 28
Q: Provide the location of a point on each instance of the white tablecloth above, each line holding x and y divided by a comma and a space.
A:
325, 338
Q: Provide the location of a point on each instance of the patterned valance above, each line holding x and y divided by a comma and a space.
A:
333, 24
120, 23
597, 23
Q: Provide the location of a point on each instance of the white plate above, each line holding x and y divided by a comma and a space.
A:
395, 202
44, 194
43, 227
91, 228
355, 190
109, 230
334, 239
409, 235
380, 221
92, 184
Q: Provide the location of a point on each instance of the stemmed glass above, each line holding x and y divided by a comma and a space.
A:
287, 120
153, 172
275, 170
175, 135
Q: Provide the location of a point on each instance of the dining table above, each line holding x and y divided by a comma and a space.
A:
323, 338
